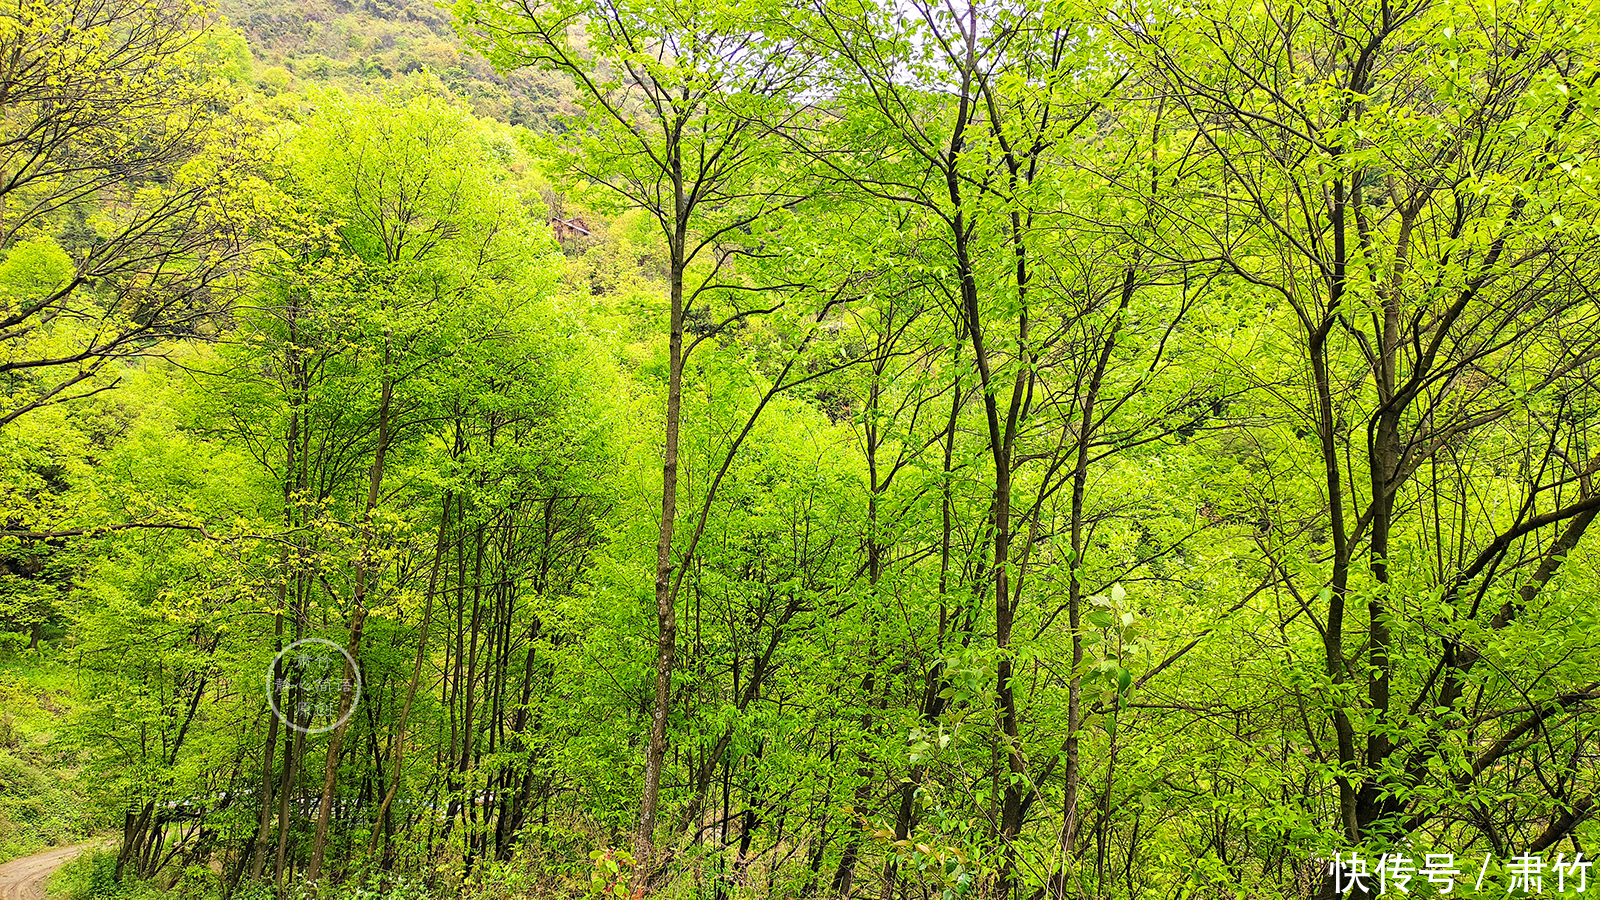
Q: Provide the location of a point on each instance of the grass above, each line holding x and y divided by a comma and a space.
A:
40, 803
91, 875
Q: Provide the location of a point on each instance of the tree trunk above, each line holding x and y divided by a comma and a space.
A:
666, 612
358, 618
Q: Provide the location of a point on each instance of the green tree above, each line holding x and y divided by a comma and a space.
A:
1399, 188
104, 112
678, 102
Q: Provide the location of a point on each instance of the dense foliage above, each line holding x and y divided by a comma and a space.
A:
1007, 449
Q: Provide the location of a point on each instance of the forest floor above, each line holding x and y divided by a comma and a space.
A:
23, 879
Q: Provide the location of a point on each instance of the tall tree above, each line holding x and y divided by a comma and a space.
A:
678, 100
980, 121
1399, 187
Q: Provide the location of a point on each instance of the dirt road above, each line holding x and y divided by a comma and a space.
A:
23, 879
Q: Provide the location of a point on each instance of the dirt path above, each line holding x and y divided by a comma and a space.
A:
23, 879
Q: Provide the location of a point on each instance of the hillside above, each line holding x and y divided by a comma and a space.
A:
361, 45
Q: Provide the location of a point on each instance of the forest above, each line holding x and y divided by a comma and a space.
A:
724, 449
